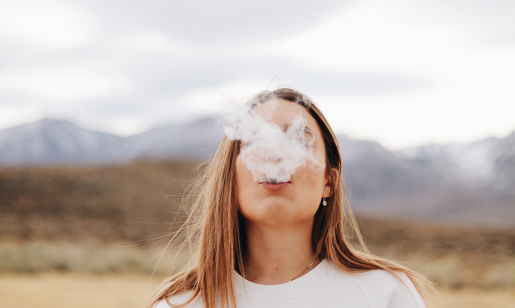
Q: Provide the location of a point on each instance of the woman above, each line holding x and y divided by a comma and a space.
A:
263, 243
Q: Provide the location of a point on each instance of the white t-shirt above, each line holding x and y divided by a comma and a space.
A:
325, 286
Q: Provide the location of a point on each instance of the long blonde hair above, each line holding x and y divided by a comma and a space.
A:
217, 229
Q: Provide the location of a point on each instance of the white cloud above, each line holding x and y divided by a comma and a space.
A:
50, 23
214, 22
152, 42
13, 115
226, 97
64, 84
401, 120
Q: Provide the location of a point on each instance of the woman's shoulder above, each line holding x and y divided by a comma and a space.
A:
179, 299
384, 289
382, 277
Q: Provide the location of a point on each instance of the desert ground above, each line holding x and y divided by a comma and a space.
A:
133, 291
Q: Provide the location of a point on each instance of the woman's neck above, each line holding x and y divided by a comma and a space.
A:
278, 254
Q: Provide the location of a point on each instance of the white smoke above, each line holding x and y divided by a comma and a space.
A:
270, 152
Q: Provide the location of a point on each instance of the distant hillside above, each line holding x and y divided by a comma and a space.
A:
132, 202
456, 184
107, 203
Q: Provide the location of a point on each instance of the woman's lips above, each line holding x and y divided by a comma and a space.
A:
275, 186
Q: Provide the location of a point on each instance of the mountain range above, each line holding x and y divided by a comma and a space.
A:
61, 142
452, 183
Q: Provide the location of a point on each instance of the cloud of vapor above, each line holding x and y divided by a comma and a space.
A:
270, 152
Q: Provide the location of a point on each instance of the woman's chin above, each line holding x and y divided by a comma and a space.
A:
274, 209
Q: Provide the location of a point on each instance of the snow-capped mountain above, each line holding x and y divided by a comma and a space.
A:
372, 170
51, 142
195, 140
59, 142
489, 162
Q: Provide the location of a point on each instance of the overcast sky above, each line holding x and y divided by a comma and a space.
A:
400, 72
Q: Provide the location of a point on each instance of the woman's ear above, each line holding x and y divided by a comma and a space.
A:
333, 176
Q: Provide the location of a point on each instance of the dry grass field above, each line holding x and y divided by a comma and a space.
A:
133, 291
451, 257
75, 290
92, 236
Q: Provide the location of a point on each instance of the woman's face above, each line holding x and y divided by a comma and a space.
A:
292, 202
